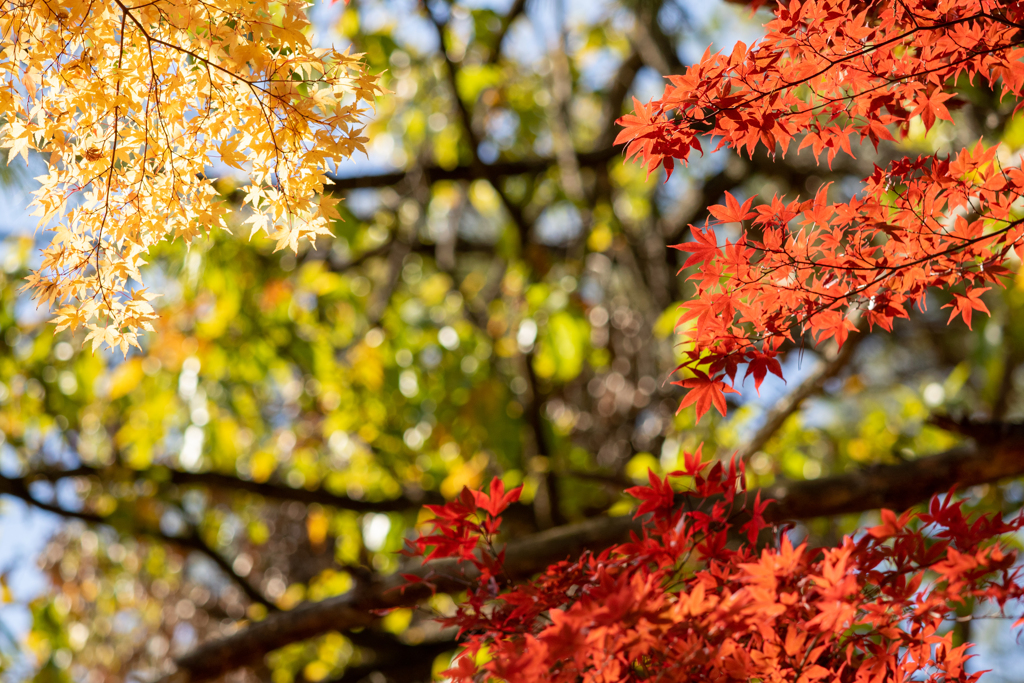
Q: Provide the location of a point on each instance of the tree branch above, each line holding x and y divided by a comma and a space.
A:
649, 40
216, 480
790, 403
518, 7
355, 261
499, 169
18, 488
617, 90
466, 117
894, 486
561, 128
194, 541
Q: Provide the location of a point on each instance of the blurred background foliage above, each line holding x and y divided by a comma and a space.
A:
499, 301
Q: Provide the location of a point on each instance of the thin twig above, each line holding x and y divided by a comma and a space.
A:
781, 411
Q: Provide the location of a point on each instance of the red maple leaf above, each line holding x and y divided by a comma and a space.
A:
964, 304
495, 503
465, 669
930, 107
732, 212
704, 393
760, 365
659, 495
703, 248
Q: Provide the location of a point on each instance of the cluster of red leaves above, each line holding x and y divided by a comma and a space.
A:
461, 525
695, 598
829, 72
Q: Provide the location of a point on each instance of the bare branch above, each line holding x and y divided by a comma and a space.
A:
655, 48
617, 90
194, 541
518, 7
790, 403
466, 116
560, 122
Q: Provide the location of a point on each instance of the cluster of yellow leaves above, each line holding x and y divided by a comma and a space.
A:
130, 101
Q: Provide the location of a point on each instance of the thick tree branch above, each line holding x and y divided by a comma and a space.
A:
499, 169
226, 482
893, 486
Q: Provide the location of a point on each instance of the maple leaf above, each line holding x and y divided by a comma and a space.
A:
704, 247
704, 393
497, 501
658, 495
930, 107
637, 127
964, 304
733, 211
465, 669
760, 365
139, 65
693, 463
756, 523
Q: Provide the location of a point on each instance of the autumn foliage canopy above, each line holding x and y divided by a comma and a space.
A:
106, 94
694, 597
708, 591
130, 104
826, 75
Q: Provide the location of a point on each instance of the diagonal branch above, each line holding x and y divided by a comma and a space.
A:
655, 48
893, 486
790, 403
227, 482
617, 91
517, 8
19, 488
466, 117
194, 541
